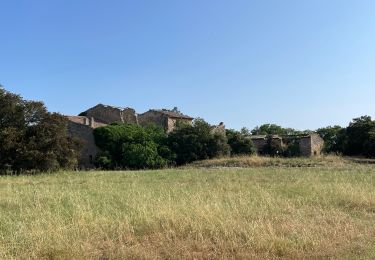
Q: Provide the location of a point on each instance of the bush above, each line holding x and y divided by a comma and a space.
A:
131, 146
292, 148
273, 147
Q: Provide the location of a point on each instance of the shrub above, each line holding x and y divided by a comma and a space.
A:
131, 146
273, 147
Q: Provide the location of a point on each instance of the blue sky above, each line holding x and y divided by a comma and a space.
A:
301, 64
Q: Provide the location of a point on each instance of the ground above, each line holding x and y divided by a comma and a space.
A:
256, 208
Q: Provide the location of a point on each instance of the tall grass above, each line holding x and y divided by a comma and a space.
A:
263, 212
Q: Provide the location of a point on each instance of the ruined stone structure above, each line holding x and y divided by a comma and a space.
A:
309, 144
260, 141
82, 126
164, 118
109, 114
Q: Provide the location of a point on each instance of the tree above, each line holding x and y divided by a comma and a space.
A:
131, 146
31, 138
273, 129
334, 138
197, 142
273, 147
239, 143
358, 135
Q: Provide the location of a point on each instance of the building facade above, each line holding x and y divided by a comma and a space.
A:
164, 118
309, 144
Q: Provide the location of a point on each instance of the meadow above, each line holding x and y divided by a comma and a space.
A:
243, 208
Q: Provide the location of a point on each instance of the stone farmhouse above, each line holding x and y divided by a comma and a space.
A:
83, 125
309, 144
165, 118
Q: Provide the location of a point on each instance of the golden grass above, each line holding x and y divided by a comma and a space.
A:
261, 161
242, 213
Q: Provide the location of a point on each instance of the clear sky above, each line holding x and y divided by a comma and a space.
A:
302, 64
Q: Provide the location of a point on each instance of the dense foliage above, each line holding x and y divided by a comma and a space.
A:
31, 138
239, 142
197, 142
358, 139
273, 129
131, 146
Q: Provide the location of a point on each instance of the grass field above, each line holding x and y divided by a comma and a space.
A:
285, 208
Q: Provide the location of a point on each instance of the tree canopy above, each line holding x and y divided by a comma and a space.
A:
31, 138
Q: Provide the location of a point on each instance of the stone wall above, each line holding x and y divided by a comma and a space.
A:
153, 118
162, 119
309, 145
305, 146
85, 134
317, 144
108, 114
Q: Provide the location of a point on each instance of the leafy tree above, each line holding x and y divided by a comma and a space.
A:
131, 146
273, 129
358, 135
369, 146
291, 147
334, 138
31, 138
273, 147
197, 142
239, 143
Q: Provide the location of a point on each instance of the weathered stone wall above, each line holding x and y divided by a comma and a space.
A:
309, 145
259, 144
317, 144
305, 146
172, 123
85, 134
163, 119
108, 114
153, 117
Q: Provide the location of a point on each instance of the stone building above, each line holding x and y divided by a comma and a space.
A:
309, 144
109, 114
260, 141
82, 126
164, 118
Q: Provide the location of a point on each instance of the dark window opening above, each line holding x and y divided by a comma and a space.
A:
91, 159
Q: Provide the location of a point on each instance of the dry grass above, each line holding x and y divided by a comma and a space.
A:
261, 161
262, 212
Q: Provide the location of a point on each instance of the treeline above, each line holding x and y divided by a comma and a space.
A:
31, 138
357, 139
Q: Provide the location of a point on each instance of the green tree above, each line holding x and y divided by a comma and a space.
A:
334, 138
239, 143
131, 146
358, 135
273, 147
31, 138
273, 129
197, 142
